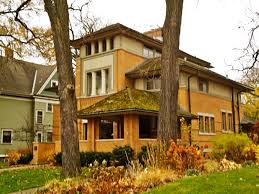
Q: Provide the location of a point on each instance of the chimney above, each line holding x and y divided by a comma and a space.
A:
8, 52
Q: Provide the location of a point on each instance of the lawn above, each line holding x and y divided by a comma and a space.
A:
16, 180
237, 181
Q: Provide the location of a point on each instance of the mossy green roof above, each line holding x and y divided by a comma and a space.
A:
125, 101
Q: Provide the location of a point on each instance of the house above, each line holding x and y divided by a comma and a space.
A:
26, 108
117, 88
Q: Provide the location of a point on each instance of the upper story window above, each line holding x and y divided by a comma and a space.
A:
49, 107
88, 49
49, 136
39, 117
53, 83
153, 84
112, 43
98, 82
104, 45
148, 52
96, 47
203, 85
39, 137
7, 136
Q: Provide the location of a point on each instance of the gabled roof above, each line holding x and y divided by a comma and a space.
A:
18, 77
127, 101
152, 67
116, 29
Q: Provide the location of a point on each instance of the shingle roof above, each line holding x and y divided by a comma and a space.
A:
151, 67
17, 77
125, 101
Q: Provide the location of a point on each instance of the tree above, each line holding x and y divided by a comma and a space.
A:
170, 72
59, 19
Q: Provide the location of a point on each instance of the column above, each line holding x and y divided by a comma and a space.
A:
108, 45
100, 46
93, 93
103, 74
92, 48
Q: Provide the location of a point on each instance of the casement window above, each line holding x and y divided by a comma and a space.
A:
224, 121
203, 85
230, 122
103, 75
153, 84
104, 45
85, 131
88, 49
148, 52
7, 135
212, 125
39, 137
49, 107
53, 83
96, 47
112, 129
227, 121
112, 43
49, 136
148, 127
201, 126
39, 117
206, 124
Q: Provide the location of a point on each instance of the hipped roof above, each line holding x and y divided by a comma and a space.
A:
128, 101
152, 67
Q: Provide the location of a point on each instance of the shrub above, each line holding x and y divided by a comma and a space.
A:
142, 155
230, 146
182, 158
87, 158
251, 152
122, 155
13, 157
211, 166
226, 165
25, 158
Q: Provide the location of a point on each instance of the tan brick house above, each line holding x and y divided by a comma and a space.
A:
117, 88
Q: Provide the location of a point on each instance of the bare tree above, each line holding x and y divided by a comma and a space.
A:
170, 72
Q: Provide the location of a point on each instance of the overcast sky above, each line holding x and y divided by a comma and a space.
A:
210, 28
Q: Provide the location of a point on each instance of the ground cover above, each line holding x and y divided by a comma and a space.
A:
244, 180
17, 180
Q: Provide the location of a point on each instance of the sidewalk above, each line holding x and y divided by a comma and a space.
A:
24, 167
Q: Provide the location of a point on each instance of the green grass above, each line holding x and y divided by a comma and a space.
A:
237, 181
17, 180
3, 164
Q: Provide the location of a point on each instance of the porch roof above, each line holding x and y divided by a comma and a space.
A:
128, 101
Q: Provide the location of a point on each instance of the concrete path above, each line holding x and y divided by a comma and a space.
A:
24, 167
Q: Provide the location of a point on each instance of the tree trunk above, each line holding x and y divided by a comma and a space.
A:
170, 72
59, 19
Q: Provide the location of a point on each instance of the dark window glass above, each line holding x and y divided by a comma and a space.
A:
85, 131
104, 45
49, 136
106, 129
148, 127
39, 117
212, 125
7, 137
223, 115
203, 85
201, 125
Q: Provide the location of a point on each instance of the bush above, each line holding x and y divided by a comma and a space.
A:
226, 165
87, 158
211, 166
251, 153
230, 146
25, 158
122, 155
182, 158
142, 155
13, 157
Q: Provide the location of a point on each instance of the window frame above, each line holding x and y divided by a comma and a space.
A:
49, 131
2, 135
201, 80
37, 116
47, 107
209, 130
53, 81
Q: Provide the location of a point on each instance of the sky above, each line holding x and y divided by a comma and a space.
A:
212, 30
